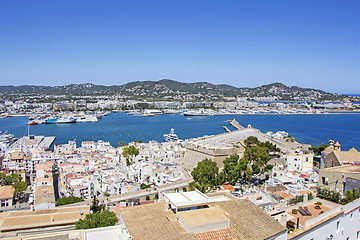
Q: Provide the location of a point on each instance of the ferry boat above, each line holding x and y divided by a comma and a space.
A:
51, 120
66, 120
197, 113
171, 137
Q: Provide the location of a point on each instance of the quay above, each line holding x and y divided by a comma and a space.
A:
236, 125
226, 129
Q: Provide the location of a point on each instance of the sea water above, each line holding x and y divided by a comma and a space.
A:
116, 127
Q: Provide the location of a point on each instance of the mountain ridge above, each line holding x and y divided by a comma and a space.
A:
168, 88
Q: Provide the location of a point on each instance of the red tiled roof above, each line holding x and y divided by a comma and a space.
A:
283, 195
229, 187
222, 234
305, 175
69, 175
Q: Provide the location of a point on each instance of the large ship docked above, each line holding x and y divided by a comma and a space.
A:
66, 120
7, 138
200, 112
171, 137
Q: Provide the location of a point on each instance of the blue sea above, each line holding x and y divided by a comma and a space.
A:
310, 129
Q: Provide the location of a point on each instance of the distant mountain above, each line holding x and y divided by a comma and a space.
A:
170, 89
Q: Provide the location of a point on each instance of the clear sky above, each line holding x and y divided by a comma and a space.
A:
244, 43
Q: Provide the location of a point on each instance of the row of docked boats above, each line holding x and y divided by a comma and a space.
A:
144, 113
66, 118
54, 120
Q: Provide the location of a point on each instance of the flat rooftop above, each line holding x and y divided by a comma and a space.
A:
315, 212
193, 198
203, 217
345, 168
42, 218
44, 194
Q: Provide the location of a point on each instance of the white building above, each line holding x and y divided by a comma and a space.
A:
301, 161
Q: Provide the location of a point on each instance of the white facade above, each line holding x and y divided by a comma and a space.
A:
301, 162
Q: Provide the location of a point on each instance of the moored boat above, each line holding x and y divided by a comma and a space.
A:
197, 113
66, 120
51, 120
171, 137
32, 123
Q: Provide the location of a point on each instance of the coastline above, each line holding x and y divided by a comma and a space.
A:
225, 114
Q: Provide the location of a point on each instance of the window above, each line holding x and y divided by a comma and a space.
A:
351, 216
358, 235
338, 226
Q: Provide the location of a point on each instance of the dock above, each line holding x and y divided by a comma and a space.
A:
226, 129
236, 125
46, 142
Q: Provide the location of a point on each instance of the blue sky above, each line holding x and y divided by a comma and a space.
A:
242, 43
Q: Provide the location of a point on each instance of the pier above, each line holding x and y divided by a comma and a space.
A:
226, 129
236, 125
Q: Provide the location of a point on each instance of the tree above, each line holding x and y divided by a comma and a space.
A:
257, 154
317, 150
205, 174
350, 196
270, 146
20, 187
95, 206
231, 171
68, 200
97, 219
129, 152
2, 176
11, 179
121, 144
251, 141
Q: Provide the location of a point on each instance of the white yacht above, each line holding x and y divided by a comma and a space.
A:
171, 137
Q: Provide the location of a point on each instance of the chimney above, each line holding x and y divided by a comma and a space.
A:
306, 197
283, 219
282, 204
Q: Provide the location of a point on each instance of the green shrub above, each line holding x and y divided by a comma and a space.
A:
68, 200
95, 220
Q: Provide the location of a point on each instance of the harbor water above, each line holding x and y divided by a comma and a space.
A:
116, 127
